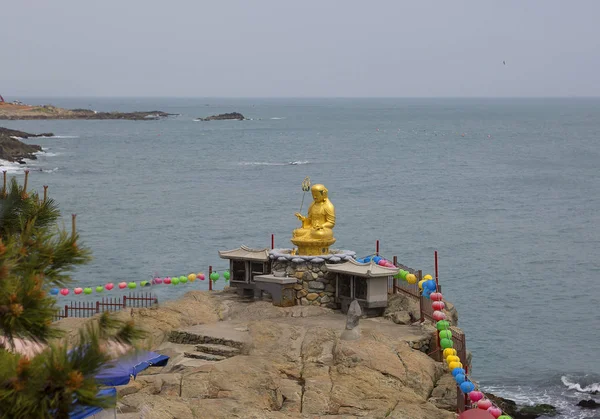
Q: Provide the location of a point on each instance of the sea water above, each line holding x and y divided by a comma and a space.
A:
507, 191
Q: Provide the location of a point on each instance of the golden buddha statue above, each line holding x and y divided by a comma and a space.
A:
316, 234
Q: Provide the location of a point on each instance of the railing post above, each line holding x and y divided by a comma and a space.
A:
377, 248
97, 306
124, 301
209, 279
419, 276
436, 271
66, 310
395, 279
272, 241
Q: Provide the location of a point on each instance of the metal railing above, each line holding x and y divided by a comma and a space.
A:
91, 308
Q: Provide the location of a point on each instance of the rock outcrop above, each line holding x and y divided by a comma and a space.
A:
224, 116
14, 150
14, 112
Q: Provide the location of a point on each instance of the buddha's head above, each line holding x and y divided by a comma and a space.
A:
319, 192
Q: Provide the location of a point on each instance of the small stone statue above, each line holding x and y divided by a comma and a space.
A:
352, 332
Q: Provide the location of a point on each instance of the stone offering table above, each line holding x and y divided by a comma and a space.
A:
281, 288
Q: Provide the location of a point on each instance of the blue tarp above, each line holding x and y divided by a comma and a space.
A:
81, 412
119, 371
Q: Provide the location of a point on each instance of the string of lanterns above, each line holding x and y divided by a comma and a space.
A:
175, 280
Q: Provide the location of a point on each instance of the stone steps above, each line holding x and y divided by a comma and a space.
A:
204, 355
215, 349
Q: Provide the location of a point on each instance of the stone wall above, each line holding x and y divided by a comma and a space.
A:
316, 286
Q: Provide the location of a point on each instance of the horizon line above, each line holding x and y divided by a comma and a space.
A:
293, 97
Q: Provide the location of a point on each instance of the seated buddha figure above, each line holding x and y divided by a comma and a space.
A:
316, 234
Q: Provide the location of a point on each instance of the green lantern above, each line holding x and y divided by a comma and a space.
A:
183, 279
87, 290
446, 343
403, 274
175, 281
445, 334
131, 285
442, 325
99, 288
226, 275
143, 283
214, 276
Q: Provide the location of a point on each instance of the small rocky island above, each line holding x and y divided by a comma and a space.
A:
224, 116
14, 150
21, 111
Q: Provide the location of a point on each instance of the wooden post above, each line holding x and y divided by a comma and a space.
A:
395, 279
97, 306
377, 248
4, 186
45, 192
124, 301
419, 276
436, 271
272, 241
25, 184
73, 225
209, 279
66, 310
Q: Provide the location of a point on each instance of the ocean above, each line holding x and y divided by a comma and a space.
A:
506, 190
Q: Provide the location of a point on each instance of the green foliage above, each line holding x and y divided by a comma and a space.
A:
35, 255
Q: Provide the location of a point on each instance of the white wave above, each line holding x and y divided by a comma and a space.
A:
275, 117
62, 136
263, 163
591, 388
11, 167
14, 137
50, 170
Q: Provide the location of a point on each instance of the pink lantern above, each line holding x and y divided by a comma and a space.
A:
167, 280
158, 280
438, 315
484, 404
201, 277
78, 290
382, 262
122, 285
109, 286
436, 296
438, 305
64, 291
494, 411
475, 396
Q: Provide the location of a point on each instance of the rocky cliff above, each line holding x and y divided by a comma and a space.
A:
13, 150
224, 116
14, 112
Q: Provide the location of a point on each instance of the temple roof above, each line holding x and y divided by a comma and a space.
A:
369, 270
245, 253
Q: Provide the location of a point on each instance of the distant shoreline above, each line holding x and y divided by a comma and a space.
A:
20, 111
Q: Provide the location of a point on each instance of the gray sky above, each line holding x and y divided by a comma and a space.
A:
264, 48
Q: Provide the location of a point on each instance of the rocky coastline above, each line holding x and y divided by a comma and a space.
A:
223, 117
10, 111
14, 150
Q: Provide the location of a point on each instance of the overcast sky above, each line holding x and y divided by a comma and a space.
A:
315, 48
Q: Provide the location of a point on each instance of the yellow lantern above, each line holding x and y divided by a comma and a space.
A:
411, 279
421, 284
449, 351
452, 358
453, 365
427, 277
192, 277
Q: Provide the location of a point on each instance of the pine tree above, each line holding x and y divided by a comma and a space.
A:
36, 255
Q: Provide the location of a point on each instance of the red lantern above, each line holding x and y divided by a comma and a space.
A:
109, 286
78, 290
494, 411
64, 291
475, 396
438, 305
122, 285
484, 404
438, 315
436, 296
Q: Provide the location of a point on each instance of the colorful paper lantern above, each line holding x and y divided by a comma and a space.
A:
403, 274
449, 351
453, 365
437, 296
143, 283
411, 279
504, 417
475, 396
377, 259
183, 279
467, 387
421, 284
167, 280
430, 284
192, 277
122, 285
457, 371
99, 288
445, 334
495, 411
446, 343
427, 277
157, 281
452, 358
87, 290
439, 315
438, 305
381, 262
442, 325
214, 276
484, 404
460, 378
175, 281
54, 291
201, 276
226, 275
78, 290
109, 286
131, 285
64, 291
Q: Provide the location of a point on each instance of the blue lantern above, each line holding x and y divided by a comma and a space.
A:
457, 371
53, 291
467, 387
460, 378
376, 259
